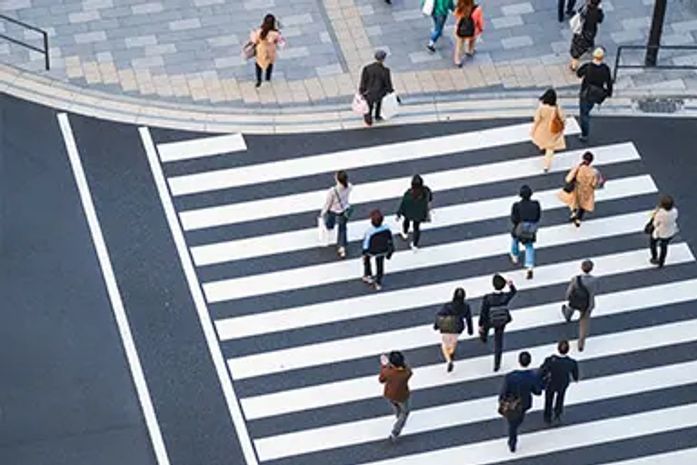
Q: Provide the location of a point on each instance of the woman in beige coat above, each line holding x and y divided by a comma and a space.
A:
266, 39
581, 199
542, 131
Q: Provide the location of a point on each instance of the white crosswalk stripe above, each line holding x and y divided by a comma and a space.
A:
297, 327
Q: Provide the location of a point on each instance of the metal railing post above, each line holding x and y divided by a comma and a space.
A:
48, 62
617, 64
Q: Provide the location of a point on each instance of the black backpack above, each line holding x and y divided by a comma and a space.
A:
465, 27
580, 297
499, 316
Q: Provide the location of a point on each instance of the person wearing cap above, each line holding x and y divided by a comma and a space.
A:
580, 295
525, 216
583, 41
494, 313
596, 86
376, 82
395, 374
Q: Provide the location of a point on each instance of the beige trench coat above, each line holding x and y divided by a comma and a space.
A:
541, 134
584, 194
266, 48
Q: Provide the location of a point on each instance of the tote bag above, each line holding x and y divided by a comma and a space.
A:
428, 7
390, 106
359, 105
322, 232
576, 22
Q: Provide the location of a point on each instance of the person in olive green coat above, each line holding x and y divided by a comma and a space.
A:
415, 208
439, 16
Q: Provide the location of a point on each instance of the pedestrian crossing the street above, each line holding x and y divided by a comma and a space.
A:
301, 335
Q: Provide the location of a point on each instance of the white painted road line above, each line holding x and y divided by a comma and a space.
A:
407, 260
351, 348
678, 457
112, 288
199, 148
558, 439
468, 412
355, 158
367, 387
432, 294
471, 212
470, 176
199, 301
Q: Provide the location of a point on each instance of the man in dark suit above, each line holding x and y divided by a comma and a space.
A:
494, 313
557, 372
523, 384
376, 82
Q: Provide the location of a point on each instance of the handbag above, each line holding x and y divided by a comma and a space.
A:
510, 406
556, 125
390, 106
359, 105
525, 231
570, 186
428, 7
650, 227
249, 50
600, 179
576, 21
346, 211
594, 94
322, 232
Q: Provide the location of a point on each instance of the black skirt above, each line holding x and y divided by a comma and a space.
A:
580, 44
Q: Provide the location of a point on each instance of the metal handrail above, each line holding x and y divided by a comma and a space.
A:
651, 47
44, 51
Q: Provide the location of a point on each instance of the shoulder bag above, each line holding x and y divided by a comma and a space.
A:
650, 227
556, 125
347, 210
580, 297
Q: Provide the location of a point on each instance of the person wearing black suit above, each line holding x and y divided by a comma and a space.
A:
520, 383
557, 372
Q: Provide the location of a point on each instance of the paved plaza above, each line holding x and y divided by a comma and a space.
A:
189, 50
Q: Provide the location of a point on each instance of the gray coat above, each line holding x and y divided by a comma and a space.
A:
590, 282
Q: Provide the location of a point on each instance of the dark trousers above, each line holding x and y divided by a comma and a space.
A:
553, 397
585, 108
663, 245
259, 71
379, 264
498, 348
513, 425
417, 230
372, 105
578, 213
570, 4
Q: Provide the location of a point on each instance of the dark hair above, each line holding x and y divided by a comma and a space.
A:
666, 202
376, 217
459, 295
563, 347
269, 24
342, 178
587, 266
465, 7
587, 158
549, 97
525, 192
524, 358
396, 358
417, 186
594, 3
499, 282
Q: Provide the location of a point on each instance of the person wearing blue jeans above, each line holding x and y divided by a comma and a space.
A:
596, 86
525, 216
337, 210
585, 108
439, 16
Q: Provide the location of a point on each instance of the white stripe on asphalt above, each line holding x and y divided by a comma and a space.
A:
351, 348
199, 148
355, 158
394, 188
433, 294
292, 241
558, 439
678, 457
407, 260
467, 412
367, 387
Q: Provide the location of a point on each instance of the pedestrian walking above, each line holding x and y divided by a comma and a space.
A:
525, 216
569, 10
596, 86
580, 296
579, 189
450, 321
494, 313
266, 39
469, 25
376, 82
662, 228
395, 374
377, 243
439, 15
547, 130
556, 372
583, 39
415, 207
515, 398
337, 210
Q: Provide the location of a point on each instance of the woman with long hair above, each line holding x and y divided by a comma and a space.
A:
266, 38
547, 130
337, 210
584, 40
414, 207
451, 321
579, 191
469, 24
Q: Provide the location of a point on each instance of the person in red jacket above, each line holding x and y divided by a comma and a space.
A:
395, 374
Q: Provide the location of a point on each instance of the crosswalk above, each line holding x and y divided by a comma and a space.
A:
301, 335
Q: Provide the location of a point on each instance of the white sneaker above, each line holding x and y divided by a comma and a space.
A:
514, 258
368, 279
377, 286
413, 247
341, 251
403, 235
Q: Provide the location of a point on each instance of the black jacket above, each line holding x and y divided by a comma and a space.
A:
463, 314
522, 383
376, 82
494, 299
380, 243
525, 211
597, 75
558, 372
